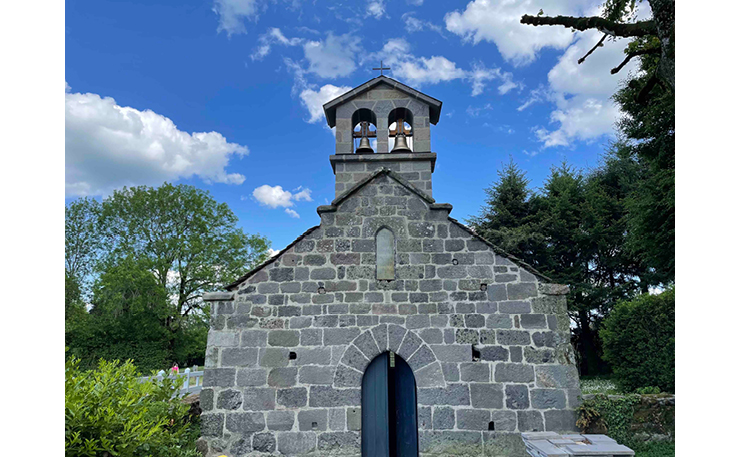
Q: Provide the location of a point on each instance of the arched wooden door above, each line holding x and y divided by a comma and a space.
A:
389, 427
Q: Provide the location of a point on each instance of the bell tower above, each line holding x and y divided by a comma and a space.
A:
383, 123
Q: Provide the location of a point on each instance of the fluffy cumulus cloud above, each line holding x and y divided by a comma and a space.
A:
276, 197
418, 71
273, 37
314, 100
582, 93
108, 146
376, 9
233, 13
498, 22
333, 57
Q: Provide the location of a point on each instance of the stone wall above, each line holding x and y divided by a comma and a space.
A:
351, 169
653, 417
487, 339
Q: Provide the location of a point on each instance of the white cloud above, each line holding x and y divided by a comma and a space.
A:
272, 252
108, 146
272, 37
276, 197
333, 57
415, 2
314, 100
535, 95
292, 213
232, 13
414, 24
498, 22
582, 93
433, 70
376, 9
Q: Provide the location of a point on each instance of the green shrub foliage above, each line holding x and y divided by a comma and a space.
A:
110, 412
639, 342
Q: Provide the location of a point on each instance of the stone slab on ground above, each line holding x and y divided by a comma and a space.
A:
549, 444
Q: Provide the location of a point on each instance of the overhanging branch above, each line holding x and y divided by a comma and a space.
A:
641, 52
637, 29
599, 44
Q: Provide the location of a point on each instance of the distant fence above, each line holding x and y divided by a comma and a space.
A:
192, 384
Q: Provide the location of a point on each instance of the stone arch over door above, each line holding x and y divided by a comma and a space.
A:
388, 337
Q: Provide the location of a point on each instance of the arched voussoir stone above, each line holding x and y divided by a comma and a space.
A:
367, 344
354, 358
345, 376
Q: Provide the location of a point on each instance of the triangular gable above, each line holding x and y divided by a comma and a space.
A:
416, 191
330, 108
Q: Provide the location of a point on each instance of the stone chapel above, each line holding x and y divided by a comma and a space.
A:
390, 329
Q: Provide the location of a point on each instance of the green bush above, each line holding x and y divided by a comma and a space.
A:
639, 342
110, 412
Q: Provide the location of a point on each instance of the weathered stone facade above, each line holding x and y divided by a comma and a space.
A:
486, 336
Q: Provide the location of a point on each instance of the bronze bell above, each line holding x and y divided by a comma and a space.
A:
401, 145
364, 147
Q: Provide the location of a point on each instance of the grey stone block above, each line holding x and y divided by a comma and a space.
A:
522, 290
366, 343
316, 375
453, 353
342, 443
334, 336
245, 422
219, 377
206, 399
513, 372
259, 399
533, 321
473, 419
494, 354
475, 372
264, 442
530, 421
539, 356
282, 377
453, 394
514, 307
443, 418
560, 420
347, 377
328, 397
296, 443
395, 337
274, 357
487, 396
294, 397
251, 377
557, 376
410, 344
449, 443
254, 338
547, 399
450, 372
212, 424
498, 321
517, 396
513, 337
280, 420
312, 419
311, 337
236, 357
466, 336
336, 419
229, 399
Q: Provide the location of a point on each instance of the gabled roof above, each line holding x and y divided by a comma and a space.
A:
330, 108
415, 190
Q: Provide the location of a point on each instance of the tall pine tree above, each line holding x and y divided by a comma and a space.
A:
509, 216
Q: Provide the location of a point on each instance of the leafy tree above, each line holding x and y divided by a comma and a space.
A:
187, 239
509, 217
648, 130
155, 252
82, 241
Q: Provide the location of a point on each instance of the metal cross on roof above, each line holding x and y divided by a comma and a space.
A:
382, 68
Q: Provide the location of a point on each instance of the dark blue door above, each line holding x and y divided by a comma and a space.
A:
389, 409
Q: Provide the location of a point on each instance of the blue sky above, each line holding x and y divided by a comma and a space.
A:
225, 95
